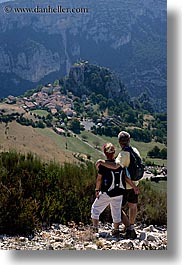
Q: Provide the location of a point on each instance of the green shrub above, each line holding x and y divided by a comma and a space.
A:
152, 206
33, 193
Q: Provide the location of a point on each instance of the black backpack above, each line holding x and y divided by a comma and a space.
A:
136, 166
115, 185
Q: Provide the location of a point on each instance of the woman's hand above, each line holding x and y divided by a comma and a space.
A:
97, 193
98, 163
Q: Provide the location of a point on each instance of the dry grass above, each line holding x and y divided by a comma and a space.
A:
148, 117
26, 139
9, 108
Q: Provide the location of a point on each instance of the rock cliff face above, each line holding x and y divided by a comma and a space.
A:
129, 37
85, 78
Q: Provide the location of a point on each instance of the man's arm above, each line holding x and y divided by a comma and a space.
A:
108, 164
130, 182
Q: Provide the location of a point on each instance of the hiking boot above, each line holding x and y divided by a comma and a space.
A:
94, 229
133, 234
115, 232
130, 234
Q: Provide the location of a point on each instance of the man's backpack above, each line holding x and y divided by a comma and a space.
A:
136, 166
115, 185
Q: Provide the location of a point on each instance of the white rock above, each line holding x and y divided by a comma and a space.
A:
151, 238
62, 237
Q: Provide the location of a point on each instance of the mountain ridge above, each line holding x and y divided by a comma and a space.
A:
48, 44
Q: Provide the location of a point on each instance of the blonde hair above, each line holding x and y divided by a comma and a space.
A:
108, 148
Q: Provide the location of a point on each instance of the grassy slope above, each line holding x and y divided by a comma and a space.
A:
40, 112
142, 147
27, 139
49, 145
74, 144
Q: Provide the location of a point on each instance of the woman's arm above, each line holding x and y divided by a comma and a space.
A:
108, 164
98, 185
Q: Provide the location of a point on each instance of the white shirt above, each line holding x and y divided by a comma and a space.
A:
123, 159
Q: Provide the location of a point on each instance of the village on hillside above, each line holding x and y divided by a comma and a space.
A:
51, 99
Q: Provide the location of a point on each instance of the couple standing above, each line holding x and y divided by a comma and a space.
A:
128, 192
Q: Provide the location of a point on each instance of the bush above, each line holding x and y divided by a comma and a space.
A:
152, 206
34, 193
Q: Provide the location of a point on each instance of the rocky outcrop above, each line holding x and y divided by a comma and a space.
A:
73, 237
85, 78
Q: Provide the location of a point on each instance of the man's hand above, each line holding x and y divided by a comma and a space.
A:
98, 163
136, 190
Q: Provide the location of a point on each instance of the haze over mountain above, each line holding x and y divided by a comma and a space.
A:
128, 36
2, 1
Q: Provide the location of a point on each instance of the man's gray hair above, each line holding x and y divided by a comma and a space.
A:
123, 137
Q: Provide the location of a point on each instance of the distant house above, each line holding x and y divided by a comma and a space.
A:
44, 102
69, 112
42, 95
34, 96
11, 99
47, 89
30, 105
59, 105
59, 131
50, 106
56, 88
53, 111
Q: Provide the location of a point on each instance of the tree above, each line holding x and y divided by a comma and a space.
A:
102, 105
130, 116
84, 137
56, 82
75, 125
95, 117
40, 124
49, 117
62, 115
155, 152
96, 143
141, 135
110, 103
93, 98
163, 153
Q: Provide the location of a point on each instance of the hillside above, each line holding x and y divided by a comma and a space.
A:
27, 139
50, 146
129, 37
69, 119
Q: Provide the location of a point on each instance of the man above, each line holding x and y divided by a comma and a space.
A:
130, 197
105, 195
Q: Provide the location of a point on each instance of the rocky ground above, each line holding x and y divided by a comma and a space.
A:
73, 237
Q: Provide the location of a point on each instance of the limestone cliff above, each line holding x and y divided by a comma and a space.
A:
129, 37
85, 78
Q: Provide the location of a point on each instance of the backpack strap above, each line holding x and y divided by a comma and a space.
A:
135, 155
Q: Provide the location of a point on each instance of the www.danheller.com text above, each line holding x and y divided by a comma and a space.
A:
47, 9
